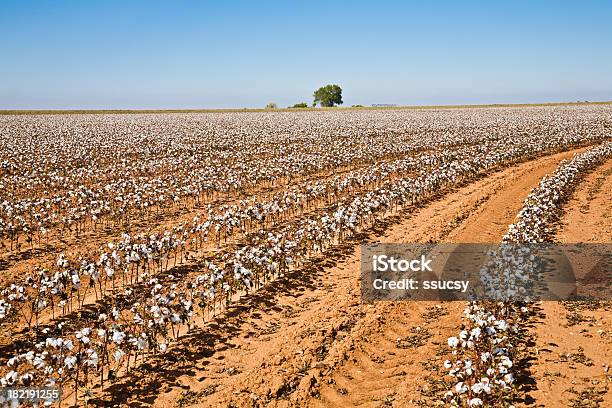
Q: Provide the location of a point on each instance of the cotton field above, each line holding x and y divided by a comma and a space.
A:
135, 245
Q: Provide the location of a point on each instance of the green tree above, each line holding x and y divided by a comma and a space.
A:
271, 105
328, 95
300, 105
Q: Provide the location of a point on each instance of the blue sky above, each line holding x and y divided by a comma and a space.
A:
200, 54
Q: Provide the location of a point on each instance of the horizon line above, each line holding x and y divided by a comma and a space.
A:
289, 109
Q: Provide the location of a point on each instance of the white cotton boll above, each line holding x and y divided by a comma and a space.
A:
92, 358
118, 337
506, 362
501, 325
477, 388
68, 345
475, 402
70, 362
461, 388
453, 341
118, 354
10, 377
141, 343
475, 333
38, 362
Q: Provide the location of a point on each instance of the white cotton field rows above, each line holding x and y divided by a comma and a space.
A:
301, 194
483, 357
131, 331
68, 172
224, 221
86, 169
80, 167
166, 245
247, 216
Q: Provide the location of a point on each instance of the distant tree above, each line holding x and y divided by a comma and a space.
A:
357, 106
271, 105
328, 95
300, 105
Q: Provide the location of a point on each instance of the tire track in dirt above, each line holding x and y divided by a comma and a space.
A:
574, 341
316, 344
